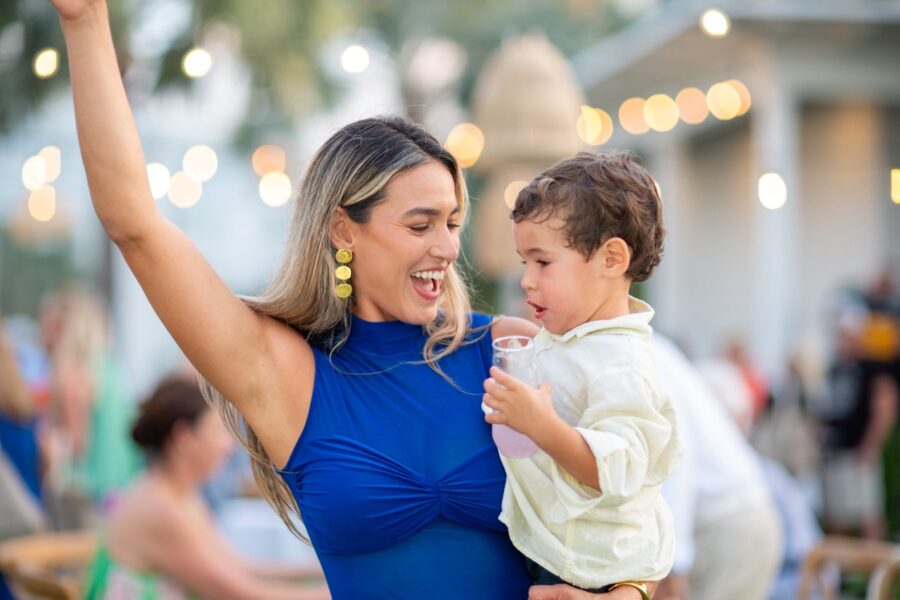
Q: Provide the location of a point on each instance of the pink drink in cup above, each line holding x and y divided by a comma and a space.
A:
514, 355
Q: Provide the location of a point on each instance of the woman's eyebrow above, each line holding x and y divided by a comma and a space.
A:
427, 212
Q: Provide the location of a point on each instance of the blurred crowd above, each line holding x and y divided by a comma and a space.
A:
772, 463
79, 453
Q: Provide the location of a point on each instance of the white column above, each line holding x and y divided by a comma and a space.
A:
775, 135
669, 166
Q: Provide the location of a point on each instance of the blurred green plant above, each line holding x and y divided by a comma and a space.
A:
281, 42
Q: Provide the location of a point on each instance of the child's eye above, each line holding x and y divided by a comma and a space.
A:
542, 263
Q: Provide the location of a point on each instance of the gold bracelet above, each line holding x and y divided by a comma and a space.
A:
638, 585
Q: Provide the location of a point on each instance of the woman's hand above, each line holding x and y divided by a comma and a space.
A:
72, 10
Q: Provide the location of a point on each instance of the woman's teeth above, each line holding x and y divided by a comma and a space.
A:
438, 275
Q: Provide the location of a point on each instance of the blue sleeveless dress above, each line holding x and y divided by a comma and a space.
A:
396, 476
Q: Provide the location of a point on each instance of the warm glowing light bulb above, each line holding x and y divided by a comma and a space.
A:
34, 173
631, 116
772, 191
355, 59
588, 125
661, 112
743, 94
196, 63
275, 189
42, 203
692, 105
184, 190
895, 186
512, 192
715, 23
594, 126
159, 178
52, 162
200, 162
268, 158
465, 142
724, 101
46, 63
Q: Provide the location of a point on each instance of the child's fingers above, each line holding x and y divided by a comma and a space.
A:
493, 414
490, 401
505, 379
493, 387
495, 418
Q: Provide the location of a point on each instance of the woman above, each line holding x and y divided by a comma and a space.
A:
366, 399
161, 541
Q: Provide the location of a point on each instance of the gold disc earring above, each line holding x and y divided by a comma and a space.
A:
342, 273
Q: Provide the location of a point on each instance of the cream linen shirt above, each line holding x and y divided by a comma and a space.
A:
606, 386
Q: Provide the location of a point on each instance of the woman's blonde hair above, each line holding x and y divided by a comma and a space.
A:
350, 171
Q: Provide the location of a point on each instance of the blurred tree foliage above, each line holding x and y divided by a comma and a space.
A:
281, 41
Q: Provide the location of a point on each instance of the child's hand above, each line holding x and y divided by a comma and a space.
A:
516, 403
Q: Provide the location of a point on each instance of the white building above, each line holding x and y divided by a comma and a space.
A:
824, 78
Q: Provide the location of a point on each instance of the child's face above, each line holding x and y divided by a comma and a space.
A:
563, 287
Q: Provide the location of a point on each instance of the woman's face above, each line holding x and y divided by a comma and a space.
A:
207, 443
400, 257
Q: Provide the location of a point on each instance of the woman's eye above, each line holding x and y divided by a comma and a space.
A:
419, 228
453, 226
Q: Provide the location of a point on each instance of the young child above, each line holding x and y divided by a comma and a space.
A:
586, 508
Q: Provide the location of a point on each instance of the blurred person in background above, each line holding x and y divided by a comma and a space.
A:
880, 335
881, 346
858, 413
21, 512
160, 539
736, 353
786, 432
92, 454
19, 427
729, 537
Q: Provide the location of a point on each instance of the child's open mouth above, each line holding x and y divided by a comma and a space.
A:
539, 310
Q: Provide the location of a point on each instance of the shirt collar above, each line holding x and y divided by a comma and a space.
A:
636, 322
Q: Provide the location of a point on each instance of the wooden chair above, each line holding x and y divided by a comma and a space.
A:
47, 565
881, 560
882, 584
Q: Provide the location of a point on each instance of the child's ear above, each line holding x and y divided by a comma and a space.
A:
615, 256
340, 232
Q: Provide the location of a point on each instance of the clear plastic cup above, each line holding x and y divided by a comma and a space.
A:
514, 355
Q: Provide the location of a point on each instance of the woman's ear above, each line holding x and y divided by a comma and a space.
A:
615, 256
340, 230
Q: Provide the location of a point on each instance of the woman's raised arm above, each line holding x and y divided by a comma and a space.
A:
246, 356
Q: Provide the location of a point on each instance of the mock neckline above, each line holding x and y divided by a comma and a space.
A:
385, 337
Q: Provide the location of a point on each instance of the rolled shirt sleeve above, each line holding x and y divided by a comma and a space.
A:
628, 425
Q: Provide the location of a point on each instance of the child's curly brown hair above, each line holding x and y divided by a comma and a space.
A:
598, 197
